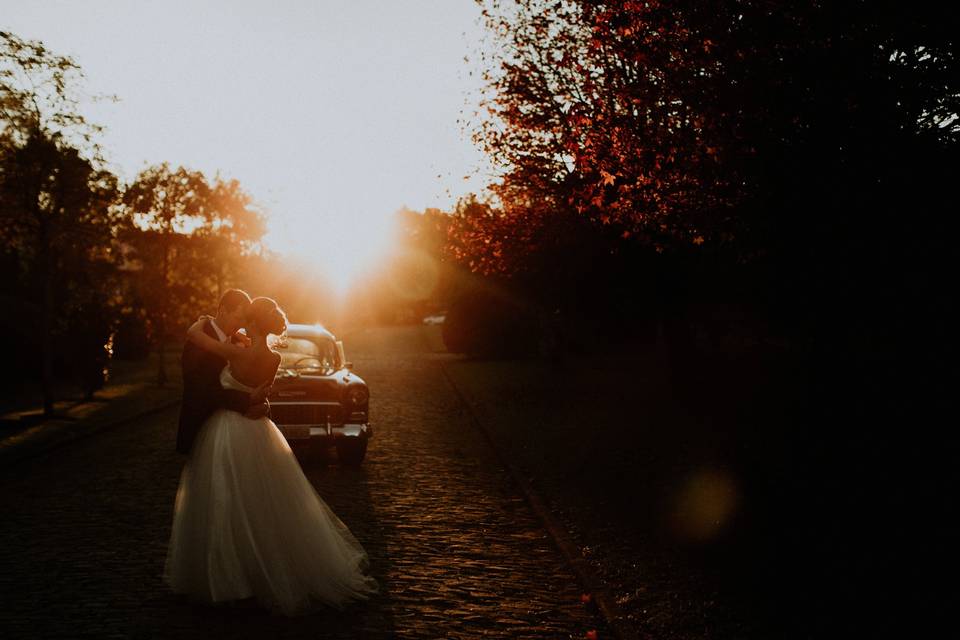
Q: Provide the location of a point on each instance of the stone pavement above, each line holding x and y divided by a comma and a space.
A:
457, 551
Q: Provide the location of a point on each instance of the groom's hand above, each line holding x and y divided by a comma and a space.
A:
260, 394
257, 411
259, 406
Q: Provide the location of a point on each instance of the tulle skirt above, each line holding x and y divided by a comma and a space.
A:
248, 523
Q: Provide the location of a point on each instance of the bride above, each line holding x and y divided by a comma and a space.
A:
247, 522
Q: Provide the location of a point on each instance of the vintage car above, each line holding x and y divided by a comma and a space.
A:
317, 401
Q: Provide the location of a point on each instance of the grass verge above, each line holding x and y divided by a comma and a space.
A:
131, 392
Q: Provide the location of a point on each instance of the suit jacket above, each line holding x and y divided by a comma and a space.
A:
202, 393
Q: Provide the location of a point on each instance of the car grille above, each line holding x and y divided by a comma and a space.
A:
317, 414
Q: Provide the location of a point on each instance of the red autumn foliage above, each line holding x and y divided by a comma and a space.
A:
606, 110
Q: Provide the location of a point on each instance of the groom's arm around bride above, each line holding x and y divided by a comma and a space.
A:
202, 391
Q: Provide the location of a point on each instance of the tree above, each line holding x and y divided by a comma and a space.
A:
231, 231
602, 111
55, 196
39, 95
781, 141
165, 205
669, 119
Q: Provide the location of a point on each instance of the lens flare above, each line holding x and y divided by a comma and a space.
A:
414, 275
704, 505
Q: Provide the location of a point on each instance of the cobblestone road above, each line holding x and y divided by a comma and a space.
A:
457, 551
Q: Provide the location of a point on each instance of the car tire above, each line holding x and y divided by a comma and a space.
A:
351, 451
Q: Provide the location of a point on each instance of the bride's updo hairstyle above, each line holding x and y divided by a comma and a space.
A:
267, 317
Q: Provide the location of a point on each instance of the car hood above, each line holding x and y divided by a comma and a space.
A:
310, 387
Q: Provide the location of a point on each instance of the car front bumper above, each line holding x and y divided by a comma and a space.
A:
305, 434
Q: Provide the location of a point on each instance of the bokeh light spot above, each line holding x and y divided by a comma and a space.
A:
414, 275
704, 504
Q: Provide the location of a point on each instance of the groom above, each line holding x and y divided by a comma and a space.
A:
202, 393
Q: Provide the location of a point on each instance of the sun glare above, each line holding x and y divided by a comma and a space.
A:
340, 246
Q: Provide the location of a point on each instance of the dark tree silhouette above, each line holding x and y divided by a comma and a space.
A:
781, 144
58, 214
55, 197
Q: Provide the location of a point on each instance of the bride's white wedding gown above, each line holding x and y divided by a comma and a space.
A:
248, 523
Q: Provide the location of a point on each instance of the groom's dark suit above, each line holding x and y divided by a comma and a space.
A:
202, 393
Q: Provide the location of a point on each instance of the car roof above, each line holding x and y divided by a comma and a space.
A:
308, 331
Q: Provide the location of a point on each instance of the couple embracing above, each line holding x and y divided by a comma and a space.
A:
247, 523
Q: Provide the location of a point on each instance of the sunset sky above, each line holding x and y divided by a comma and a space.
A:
331, 113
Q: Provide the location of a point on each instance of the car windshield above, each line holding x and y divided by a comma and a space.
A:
307, 354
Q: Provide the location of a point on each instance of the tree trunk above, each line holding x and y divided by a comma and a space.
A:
162, 322
161, 367
46, 322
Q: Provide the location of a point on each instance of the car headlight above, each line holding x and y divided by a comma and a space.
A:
357, 396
